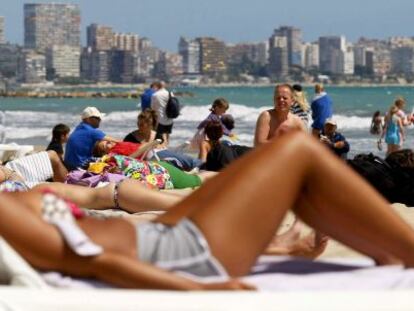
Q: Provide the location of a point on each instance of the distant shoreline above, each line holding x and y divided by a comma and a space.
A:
133, 91
139, 87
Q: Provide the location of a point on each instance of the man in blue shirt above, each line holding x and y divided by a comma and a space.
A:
321, 109
146, 96
334, 140
81, 142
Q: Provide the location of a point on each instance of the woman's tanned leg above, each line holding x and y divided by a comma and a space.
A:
133, 197
240, 210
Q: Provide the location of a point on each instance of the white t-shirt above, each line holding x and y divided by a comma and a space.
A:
159, 102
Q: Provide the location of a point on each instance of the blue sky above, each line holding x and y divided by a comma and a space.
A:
232, 20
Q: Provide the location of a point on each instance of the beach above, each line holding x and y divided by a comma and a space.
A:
29, 121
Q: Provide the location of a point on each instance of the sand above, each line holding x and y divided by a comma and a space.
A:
338, 250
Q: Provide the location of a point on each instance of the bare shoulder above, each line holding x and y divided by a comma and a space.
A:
265, 115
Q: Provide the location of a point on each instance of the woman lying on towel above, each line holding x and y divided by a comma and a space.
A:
28, 171
217, 231
179, 178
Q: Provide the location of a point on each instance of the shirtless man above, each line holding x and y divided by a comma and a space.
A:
279, 120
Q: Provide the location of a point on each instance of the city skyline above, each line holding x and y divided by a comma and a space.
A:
230, 21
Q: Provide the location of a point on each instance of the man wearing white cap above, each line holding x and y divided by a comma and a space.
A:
81, 142
334, 140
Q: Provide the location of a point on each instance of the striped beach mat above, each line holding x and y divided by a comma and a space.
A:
34, 168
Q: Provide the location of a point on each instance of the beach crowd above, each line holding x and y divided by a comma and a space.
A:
218, 204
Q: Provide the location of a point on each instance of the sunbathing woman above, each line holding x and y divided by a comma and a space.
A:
146, 123
211, 235
179, 178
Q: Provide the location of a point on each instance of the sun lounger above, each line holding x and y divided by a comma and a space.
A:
13, 151
346, 289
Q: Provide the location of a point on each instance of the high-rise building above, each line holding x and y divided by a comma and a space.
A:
31, 67
147, 57
254, 52
330, 49
46, 25
402, 60
212, 56
190, 53
2, 29
170, 65
99, 37
378, 61
311, 55
126, 42
63, 61
278, 57
294, 43
124, 66
9, 55
95, 65
360, 54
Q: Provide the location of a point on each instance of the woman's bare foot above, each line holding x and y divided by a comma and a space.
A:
310, 246
288, 237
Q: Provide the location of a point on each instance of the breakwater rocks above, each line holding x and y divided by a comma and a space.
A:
80, 94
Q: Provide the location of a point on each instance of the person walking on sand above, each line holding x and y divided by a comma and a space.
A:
321, 109
278, 120
159, 103
81, 142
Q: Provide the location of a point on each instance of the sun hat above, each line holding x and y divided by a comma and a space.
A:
89, 112
330, 121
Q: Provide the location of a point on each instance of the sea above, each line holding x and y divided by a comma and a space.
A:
30, 120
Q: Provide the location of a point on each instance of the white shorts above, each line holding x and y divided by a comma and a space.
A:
181, 248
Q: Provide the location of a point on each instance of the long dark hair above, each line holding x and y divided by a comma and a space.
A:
214, 131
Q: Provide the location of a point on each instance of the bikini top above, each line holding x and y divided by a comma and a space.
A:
63, 214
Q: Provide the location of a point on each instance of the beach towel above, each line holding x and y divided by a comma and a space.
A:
150, 173
34, 168
90, 179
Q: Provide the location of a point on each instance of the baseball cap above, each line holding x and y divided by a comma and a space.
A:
91, 112
330, 121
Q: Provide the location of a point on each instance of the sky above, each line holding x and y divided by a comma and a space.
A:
233, 21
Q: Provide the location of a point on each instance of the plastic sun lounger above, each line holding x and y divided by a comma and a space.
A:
13, 151
28, 291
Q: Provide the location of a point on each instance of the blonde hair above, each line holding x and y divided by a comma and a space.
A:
393, 110
300, 98
149, 116
399, 101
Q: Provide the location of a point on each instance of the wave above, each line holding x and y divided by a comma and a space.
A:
39, 123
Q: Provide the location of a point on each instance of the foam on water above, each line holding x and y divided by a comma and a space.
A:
25, 126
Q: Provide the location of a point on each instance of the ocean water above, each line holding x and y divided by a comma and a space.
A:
29, 121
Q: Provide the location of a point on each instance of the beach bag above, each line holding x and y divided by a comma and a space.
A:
402, 163
172, 110
378, 173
